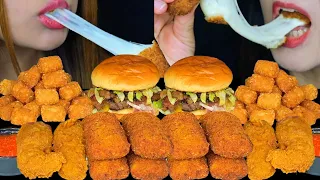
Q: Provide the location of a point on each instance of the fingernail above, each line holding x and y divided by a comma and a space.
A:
159, 4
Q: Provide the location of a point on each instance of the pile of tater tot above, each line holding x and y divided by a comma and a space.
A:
44, 90
271, 94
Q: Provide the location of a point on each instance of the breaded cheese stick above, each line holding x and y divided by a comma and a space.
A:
109, 169
188, 169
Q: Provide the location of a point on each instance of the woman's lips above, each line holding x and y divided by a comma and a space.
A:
51, 6
298, 35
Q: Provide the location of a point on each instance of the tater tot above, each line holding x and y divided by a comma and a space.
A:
239, 104
104, 137
30, 77
4, 100
186, 145
188, 169
226, 135
307, 115
310, 91
49, 64
276, 89
6, 86
46, 96
80, 108
246, 95
109, 169
266, 68
293, 98
269, 101
33, 107
283, 112
260, 83
70, 91
257, 116
53, 113
22, 115
251, 107
22, 92
226, 168
146, 136
286, 82
240, 112
64, 103
312, 106
6, 111
55, 79
39, 86
141, 168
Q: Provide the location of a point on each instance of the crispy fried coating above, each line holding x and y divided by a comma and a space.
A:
80, 108
257, 116
216, 20
141, 168
293, 98
22, 92
109, 169
70, 91
5, 100
53, 113
34, 107
283, 113
24, 115
263, 139
269, 100
226, 135
104, 137
39, 86
188, 169
312, 106
30, 77
46, 96
68, 139
296, 15
187, 136
240, 112
49, 64
296, 152
251, 107
286, 82
310, 91
146, 136
307, 115
260, 83
64, 103
181, 7
226, 168
55, 79
276, 89
155, 55
6, 87
266, 68
6, 111
246, 95
35, 158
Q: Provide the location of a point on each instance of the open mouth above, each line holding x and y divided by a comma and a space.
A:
298, 35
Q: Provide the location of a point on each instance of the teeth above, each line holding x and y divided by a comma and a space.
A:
298, 33
289, 10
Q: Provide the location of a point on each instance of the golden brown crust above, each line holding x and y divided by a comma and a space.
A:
198, 74
296, 15
217, 20
125, 73
154, 54
182, 7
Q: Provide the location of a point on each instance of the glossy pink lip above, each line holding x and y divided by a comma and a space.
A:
51, 6
291, 42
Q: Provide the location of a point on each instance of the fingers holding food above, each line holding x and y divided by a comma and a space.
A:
260, 83
188, 169
266, 68
186, 145
109, 169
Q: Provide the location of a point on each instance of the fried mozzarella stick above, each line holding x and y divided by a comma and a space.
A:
188, 169
35, 158
141, 168
182, 7
68, 139
263, 139
226, 168
186, 135
109, 169
226, 135
145, 134
104, 137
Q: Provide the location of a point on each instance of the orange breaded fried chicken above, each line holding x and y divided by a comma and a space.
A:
35, 158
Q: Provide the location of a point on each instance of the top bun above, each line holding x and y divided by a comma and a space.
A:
125, 73
198, 74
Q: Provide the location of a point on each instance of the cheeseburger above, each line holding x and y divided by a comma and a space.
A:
124, 84
197, 84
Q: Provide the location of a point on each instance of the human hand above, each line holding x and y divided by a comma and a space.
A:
175, 35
